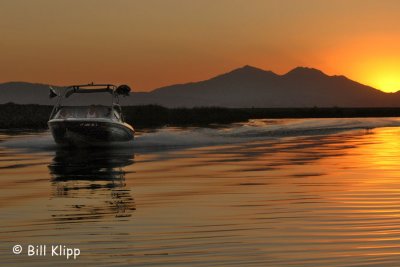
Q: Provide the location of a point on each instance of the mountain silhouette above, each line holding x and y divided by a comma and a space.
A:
243, 87
25, 93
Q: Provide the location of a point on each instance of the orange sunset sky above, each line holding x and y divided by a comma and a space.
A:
152, 43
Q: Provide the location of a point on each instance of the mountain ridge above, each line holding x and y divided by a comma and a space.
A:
246, 86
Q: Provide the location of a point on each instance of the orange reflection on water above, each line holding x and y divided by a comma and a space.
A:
317, 200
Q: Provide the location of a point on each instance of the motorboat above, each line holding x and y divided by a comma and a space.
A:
89, 114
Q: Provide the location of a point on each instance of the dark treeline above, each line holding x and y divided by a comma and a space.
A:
36, 116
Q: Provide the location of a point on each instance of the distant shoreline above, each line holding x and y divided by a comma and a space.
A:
32, 116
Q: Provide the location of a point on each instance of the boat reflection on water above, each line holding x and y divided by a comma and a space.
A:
89, 184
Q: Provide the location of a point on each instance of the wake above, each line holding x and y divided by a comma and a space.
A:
254, 130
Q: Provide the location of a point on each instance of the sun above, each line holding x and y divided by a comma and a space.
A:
373, 60
387, 81
382, 73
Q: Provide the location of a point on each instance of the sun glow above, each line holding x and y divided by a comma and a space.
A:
387, 82
372, 60
384, 76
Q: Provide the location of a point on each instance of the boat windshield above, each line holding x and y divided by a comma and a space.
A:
87, 99
92, 111
86, 105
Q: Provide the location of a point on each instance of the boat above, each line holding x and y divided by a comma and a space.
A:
89, 114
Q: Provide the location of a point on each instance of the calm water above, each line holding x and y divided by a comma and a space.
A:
317, 192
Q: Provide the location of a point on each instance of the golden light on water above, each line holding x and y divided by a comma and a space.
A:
329, 198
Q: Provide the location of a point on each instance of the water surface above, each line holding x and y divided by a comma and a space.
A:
310, 192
